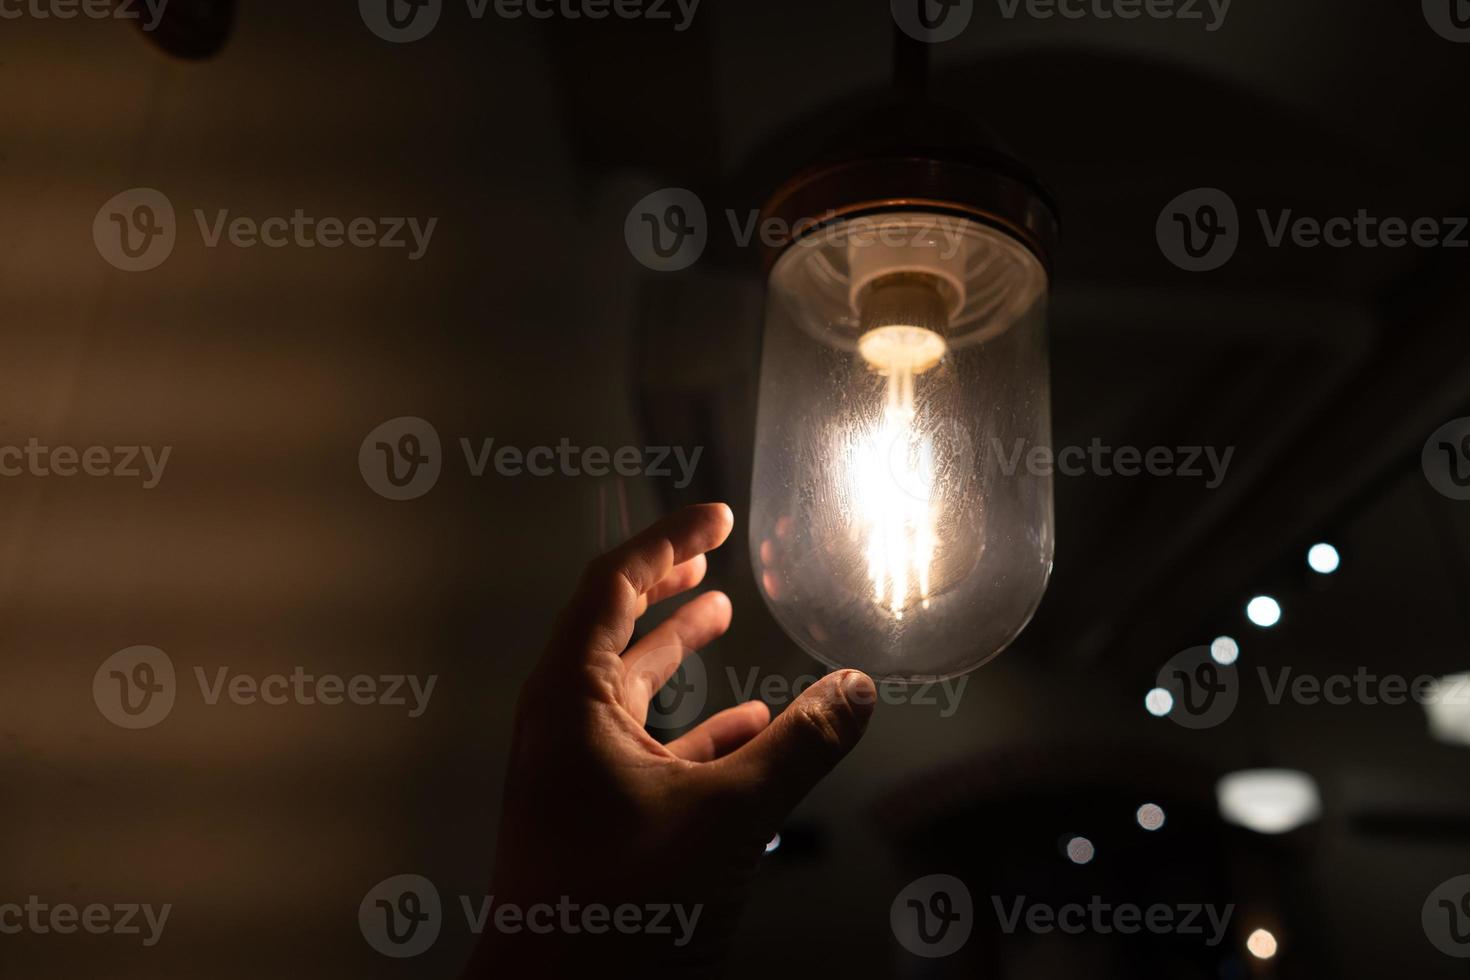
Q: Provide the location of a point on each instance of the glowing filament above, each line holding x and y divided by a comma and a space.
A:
891, 482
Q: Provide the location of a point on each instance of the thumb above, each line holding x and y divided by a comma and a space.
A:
805, 742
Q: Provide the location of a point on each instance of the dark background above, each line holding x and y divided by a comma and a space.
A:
529, 321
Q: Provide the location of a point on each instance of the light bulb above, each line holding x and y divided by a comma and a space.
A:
898, 523
889, 465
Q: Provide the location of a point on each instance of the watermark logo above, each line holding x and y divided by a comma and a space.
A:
135, 230
401, 916
667, 231
913, 461
778, 690
1446, 459
1201, 691
1199, 230
1446, 917
400, 21
681, 700
134, 688
683, 697
403, 21
933, 916
1450, 19
933, 21
401, 458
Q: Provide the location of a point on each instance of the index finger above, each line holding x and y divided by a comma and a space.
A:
600, 617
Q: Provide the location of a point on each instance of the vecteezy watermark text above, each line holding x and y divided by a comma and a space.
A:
778, 690
1200, 230
1098, 459
1198, 690
34, 459
405, 21
681, 700
401, 459
933, 917
668, 230
136, 688
1363, 687
90, 9
937, 21
64, 918
1209, 12
1103, 918
570, 918
402, 916
136, 230
569, 460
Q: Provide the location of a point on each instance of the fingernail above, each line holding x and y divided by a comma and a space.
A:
859, 690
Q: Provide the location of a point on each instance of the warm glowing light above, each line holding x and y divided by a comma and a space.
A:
1323, 559
1080, 850
1224, 650
1150, 816
1261, 944
1269, 801
1263, 611
1159, 702
916, 348
891, 474
1447, 705
904, 357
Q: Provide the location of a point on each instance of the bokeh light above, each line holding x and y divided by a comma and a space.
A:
1261, 944
1150, 816
1323, 559
1224, 650
1263, 611
1159, 702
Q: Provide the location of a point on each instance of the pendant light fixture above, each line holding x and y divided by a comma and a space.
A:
896, 525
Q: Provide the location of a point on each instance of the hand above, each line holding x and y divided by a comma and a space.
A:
597, 812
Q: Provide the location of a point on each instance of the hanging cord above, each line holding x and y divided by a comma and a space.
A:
910, 63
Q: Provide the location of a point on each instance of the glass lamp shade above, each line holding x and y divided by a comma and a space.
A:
896, 525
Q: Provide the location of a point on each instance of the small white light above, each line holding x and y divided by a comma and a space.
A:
774, 843
1261, 944
1225, 650
1323, 558
1268, 801
1150, 816
1080, 850
1263, 611
1159, 702
1447, 705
